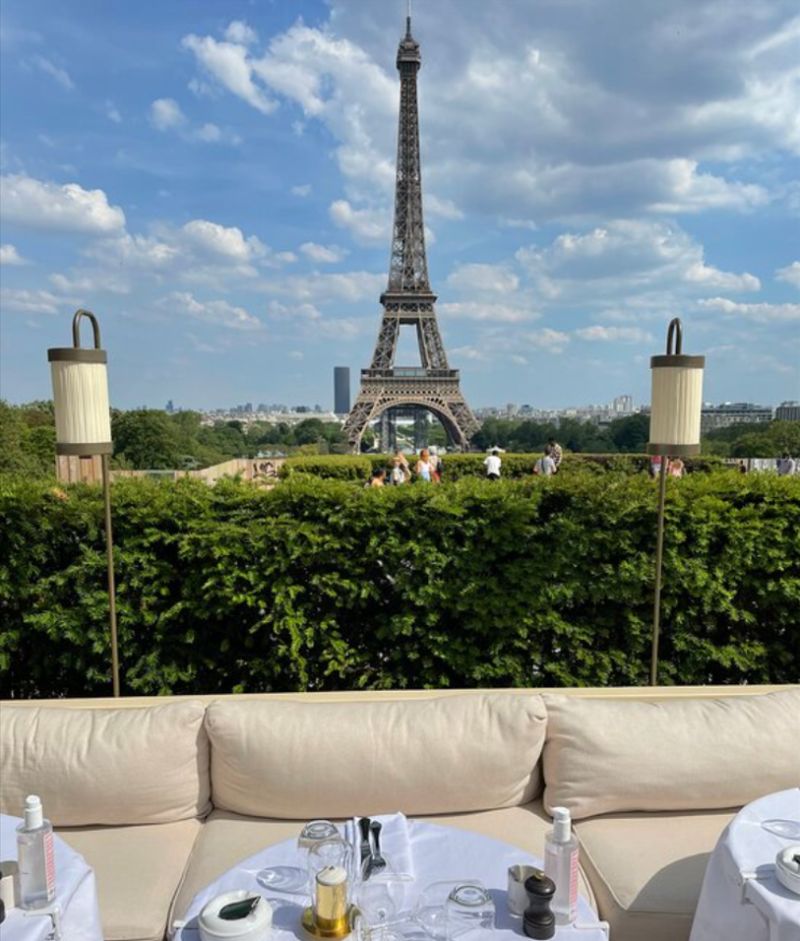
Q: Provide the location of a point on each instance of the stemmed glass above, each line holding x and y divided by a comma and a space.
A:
293, 880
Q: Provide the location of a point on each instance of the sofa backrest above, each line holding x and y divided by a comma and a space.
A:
106, 766
604, 756
299, 760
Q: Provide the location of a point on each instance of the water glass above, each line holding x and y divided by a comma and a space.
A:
469, 911
315, 831
329, 853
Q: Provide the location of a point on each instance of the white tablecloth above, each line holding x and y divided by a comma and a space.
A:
741, 898
76, 895
439, 853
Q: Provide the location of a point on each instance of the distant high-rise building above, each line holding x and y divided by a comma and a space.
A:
341, 389
788, 411
170, 407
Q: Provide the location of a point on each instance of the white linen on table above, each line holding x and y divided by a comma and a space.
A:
76, 894
438, 852
741, 898
395, 843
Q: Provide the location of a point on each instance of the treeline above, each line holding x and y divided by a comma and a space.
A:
151, 439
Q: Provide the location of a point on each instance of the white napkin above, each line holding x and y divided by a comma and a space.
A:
395, 844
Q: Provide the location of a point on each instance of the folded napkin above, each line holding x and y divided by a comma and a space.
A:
395, 844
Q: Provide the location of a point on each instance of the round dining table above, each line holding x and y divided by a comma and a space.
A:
440, 855
741, 898
74, 914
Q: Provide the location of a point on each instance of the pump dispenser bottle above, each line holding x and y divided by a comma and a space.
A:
37, 870
561, 865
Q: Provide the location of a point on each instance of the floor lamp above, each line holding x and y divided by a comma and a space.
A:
675, 406
83, 428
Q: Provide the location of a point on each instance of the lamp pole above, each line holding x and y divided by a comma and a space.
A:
675, 408
83, 428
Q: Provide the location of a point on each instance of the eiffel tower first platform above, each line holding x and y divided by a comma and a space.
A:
387, 390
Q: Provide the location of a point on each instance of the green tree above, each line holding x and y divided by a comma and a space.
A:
146, 438
630, 434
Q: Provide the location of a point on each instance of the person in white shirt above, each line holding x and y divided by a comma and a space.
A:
545, 466
493, 464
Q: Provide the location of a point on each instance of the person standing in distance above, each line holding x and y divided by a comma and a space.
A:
554, 450
493, 464
545, 466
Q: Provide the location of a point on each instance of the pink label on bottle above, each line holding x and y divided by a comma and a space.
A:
573, 881
50, 866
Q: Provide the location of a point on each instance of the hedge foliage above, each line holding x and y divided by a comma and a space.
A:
459, 466
318, 584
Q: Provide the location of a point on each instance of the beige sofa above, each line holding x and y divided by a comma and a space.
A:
162, 796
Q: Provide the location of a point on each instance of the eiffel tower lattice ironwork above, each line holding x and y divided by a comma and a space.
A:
408, 299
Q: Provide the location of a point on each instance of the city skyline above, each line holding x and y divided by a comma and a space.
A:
218, 190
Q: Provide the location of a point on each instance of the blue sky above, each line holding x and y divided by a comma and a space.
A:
215, 181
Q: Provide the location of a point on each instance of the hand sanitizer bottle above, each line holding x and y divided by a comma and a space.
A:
37, 870
561, 865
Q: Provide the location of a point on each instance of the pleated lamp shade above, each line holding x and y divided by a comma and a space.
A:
675, 404
80, 398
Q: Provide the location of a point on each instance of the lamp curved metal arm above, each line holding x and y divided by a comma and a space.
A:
674, 336
76, 328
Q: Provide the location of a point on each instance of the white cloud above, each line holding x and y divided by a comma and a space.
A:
613, 334
324, 254
217, 312
476, 310
239, 32
483, 279
84, 284
700, 273
623, 259
112, 112
302, 190
546, 339
367, 226
60, 75
760, 313
229, 64
325, 287
68, 208
30, 302
209, 132
226, 241
166, 114
790, 274
444, 208
10, 256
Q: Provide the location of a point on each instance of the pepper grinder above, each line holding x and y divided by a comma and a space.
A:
538, 921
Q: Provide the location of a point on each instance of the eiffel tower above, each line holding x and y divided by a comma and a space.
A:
388, 390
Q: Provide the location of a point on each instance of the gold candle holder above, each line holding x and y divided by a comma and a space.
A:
329, 916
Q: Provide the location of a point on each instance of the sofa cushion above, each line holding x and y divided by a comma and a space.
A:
647, 869
106, 766
301, 760
138, 870
604, 755
228, 838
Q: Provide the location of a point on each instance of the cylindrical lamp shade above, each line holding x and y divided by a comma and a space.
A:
80, 397
675, 405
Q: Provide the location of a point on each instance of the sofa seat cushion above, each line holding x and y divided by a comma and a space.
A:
228, 838
647, 869
138, 870
297, 760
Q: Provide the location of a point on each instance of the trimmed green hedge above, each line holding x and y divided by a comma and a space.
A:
321, 585
459, 466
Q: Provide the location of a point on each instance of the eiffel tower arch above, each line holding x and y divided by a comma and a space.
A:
408, 299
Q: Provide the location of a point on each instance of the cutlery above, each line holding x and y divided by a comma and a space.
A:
377, 862
366, 850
